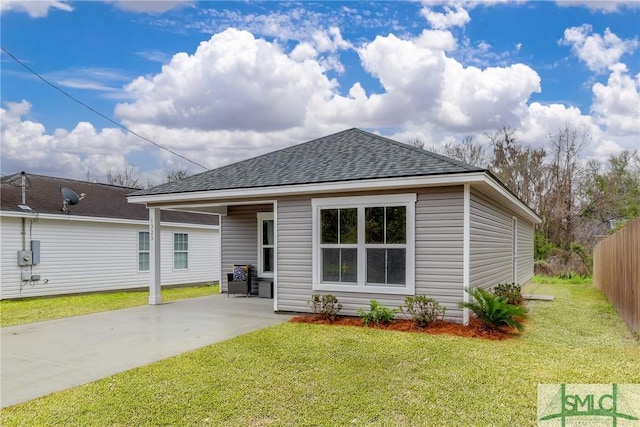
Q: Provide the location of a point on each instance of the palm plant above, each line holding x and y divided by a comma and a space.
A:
494, 311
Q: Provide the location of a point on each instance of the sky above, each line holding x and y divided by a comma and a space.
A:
217, 82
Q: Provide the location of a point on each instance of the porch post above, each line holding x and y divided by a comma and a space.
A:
155, 296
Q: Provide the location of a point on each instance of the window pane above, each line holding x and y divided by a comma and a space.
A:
267, 232
180, 242
143, 261
267, 257
376, 265
180, 260
396, 266
397, 224
143, 241
374, 225
349, 264
330, 265
329, 226
349, 226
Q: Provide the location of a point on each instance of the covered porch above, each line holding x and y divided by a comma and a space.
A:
248, 236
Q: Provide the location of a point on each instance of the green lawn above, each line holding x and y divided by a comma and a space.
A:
312, 375
17, 312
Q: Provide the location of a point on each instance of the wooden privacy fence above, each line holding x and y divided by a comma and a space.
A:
616, 272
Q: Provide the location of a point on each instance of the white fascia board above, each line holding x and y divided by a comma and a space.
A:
34, 215
224, 196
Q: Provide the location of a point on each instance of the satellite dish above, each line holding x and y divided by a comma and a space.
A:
69, 197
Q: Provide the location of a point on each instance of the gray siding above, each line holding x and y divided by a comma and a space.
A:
294, 254
525, 251
239, 233
491, 258
439, 217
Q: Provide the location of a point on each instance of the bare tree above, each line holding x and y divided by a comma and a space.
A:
416, 142
562, 179
467, 151
123, 178
519, 167
177, 175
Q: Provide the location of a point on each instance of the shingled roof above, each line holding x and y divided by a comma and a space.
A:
104, 201
349, 155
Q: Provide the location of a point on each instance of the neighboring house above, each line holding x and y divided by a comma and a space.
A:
361, 217
101, 243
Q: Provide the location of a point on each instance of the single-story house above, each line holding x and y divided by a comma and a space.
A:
361, 217
51, 246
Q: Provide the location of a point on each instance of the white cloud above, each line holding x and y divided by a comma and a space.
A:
606, 6
453, 16
150, 6
233, 82
616, 105
26, 146
35, 9
598, 52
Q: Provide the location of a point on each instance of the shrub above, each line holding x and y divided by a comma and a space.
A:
379, 314
494, 311
424, 310
325, 306
509, 291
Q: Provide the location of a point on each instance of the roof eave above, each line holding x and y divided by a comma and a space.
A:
236, 194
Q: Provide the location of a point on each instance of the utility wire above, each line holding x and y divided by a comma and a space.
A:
98, 112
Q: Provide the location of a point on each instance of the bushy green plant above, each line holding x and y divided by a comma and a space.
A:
494, 311
509, 291
423, 310
325, 306
378, 314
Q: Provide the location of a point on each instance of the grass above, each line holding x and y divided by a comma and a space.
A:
17, 312
314, 375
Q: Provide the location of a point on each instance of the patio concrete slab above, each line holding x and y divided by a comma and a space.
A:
45, 357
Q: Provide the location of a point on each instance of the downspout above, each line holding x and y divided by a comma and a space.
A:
24, 202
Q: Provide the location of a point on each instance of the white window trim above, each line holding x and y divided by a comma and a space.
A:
262, 216
360, 202
174, 251
148, 251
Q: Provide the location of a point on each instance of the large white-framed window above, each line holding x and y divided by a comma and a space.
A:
180, 251
143, 251
364, 244
266, 244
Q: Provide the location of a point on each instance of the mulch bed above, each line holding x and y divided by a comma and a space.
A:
475, 328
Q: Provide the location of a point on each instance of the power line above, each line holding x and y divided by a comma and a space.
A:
98, 112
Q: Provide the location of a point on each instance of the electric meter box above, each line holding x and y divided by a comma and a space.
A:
25, 258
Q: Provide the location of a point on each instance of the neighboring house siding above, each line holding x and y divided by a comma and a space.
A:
439, 216
525, 251
86, 256
240, 239
491, 258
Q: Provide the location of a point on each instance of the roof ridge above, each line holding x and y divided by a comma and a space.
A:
8, 178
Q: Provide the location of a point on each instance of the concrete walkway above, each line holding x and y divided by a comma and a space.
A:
45, 357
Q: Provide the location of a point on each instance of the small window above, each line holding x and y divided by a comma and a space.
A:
266, 244
180, 251
143, 251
